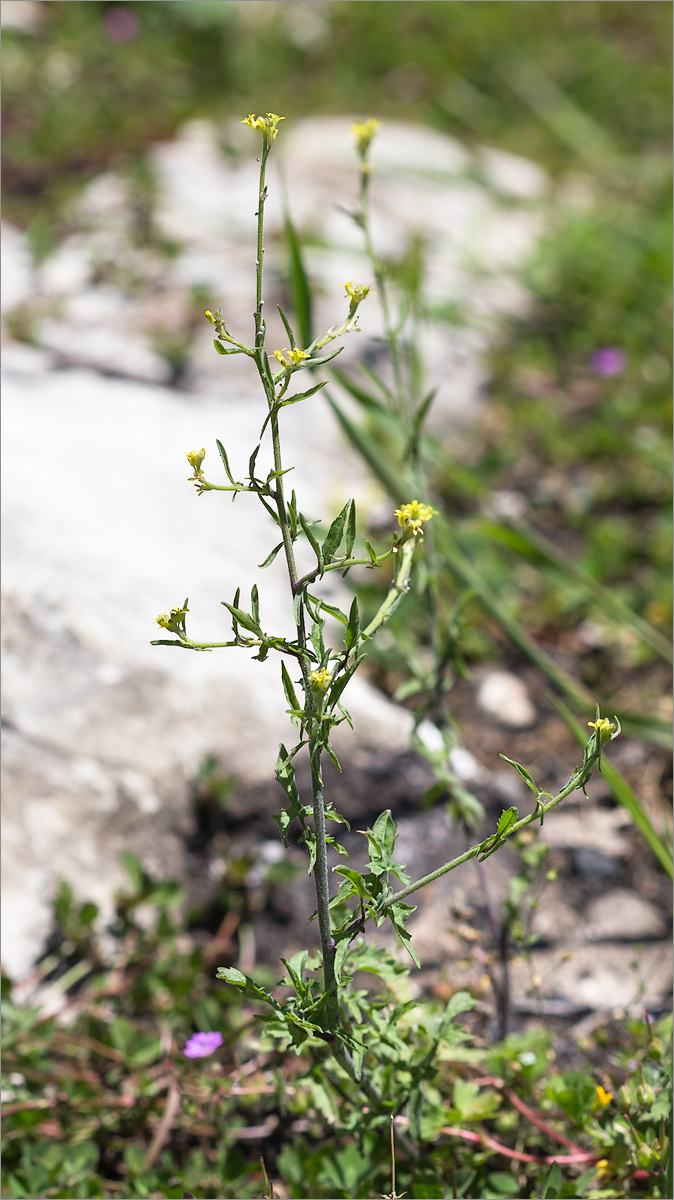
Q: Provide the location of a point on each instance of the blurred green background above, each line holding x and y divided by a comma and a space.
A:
566, 83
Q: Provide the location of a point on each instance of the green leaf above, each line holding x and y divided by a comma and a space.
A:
311, 538
334, 612
353, 627
333, 758
243, 618
270, 557
291, 694
355, 878
251, 462
221, 349
335, 533
552, 1183
351, 529
275, 408
398, 914
372, 553
523, 772
255, 604
385, 831
460, 1002
287, 327
223, 455
246, 985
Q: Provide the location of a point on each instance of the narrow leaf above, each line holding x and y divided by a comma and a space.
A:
523, 772
270, 557
311, 538
288, 687
351, 529
223, 455
335, 533
287, 327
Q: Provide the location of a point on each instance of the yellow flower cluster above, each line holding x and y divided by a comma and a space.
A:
412, 517
173, 621
290, 358
364, 131
356, 292
267, 125
195, 459
319, 680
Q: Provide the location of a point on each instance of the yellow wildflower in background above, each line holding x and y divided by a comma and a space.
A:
290, 358
364, 131
412, 517
602, 1098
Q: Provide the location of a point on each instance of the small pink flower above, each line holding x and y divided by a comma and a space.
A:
608, 361
120, 24
201, 1044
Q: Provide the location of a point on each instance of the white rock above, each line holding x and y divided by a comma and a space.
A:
505, 697
18, 285
623, 915
513, 175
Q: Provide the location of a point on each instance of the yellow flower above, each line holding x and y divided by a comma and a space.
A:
195, 459
320, 679
267, 125
603, 1169
602, 1098
605, 729
412, 517
364, 131
173, 621
356, 292
290, 358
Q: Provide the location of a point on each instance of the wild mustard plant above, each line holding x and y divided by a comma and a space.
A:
324, 1009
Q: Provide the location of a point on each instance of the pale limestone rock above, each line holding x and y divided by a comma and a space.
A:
622, 915
505, 698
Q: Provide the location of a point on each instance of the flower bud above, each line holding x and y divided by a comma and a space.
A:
645, 1157
655, 1049
645, 1095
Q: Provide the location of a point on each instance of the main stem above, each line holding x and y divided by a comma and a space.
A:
321, 875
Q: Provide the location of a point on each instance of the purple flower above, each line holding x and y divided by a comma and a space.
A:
201, 1044
120, 24
608, 361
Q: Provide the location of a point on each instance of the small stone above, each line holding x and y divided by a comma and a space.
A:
505, 697
623, 916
